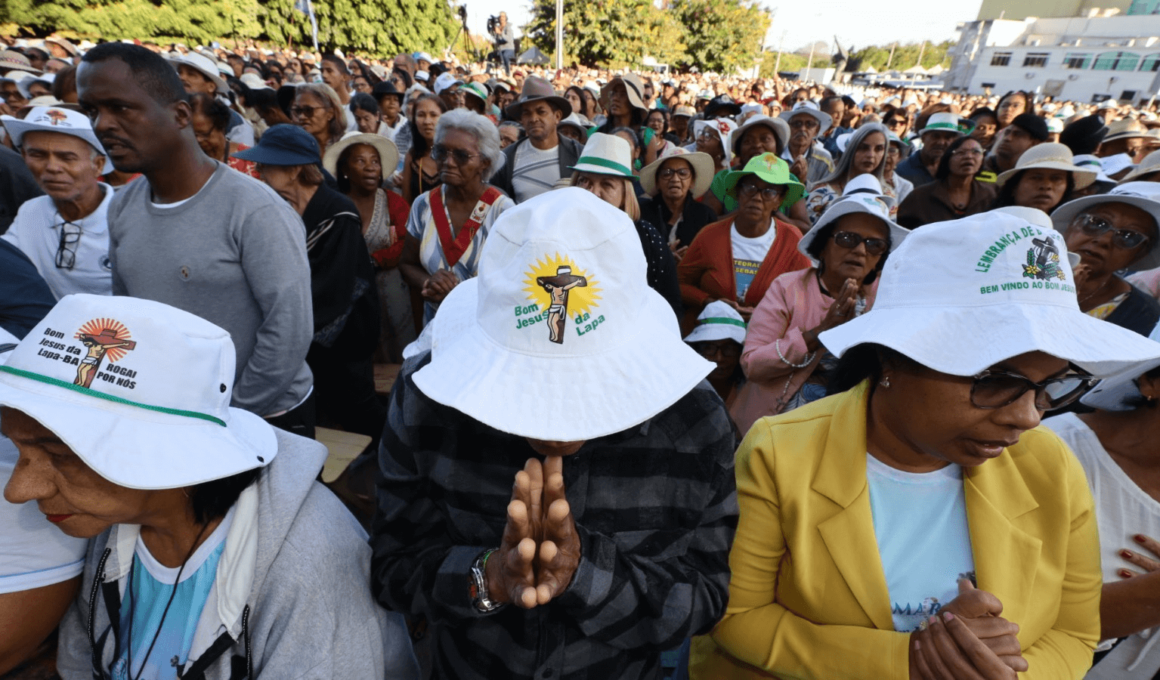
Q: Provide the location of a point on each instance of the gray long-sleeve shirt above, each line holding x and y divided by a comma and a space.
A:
235, 255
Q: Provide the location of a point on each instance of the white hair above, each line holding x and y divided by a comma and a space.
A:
483, 130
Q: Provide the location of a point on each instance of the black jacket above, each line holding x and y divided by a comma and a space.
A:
695, 215
1138, 312
662, 268
17, 185
570, 151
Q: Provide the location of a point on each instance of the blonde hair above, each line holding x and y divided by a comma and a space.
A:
631, 206
326, 94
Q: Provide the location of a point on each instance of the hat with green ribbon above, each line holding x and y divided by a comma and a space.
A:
718, 321
476, 90
769, 168
606, 154
947, 122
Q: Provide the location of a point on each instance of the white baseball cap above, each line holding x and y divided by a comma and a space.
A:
55, 119
445, 81
718, 321
139, 390
964, 295
1111, 393
559, 337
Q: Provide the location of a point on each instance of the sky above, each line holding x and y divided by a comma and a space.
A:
854, 21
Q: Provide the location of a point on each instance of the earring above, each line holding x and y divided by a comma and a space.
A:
885, 382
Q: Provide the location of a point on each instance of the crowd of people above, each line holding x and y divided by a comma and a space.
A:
699, 376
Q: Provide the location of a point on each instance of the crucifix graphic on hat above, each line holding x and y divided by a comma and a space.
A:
101, 337
558, 287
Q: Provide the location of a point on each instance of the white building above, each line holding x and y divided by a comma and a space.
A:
1080, 59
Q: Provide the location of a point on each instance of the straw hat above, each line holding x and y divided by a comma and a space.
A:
1128, 128
1149, 165
11, 60
632, 86
718, 321
702, 164
388, 152
863, 194
684, 110
1050, 156
606, 154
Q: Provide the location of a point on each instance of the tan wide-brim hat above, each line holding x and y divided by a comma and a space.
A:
1050, 156
702, 164
388, 152
632, 86
1128, 128
1149, 165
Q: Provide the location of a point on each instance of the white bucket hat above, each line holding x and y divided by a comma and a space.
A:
1050, 156
1110, 394
204, 66
55, 119
702, 164
964, 295
1143, 195
445, 82
863, 194
614, 360
139, 390
718, 321
388, 152
606, 154
724, 127
810, 108
1149, 165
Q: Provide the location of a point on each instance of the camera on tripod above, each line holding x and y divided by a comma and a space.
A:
492, 23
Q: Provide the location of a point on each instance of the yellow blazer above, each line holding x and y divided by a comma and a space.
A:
808, 596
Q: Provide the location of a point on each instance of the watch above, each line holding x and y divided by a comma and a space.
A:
477, 584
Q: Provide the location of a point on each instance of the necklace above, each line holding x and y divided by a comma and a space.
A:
1094, 292
164, 612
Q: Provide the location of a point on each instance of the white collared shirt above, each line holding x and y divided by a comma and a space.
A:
36, 232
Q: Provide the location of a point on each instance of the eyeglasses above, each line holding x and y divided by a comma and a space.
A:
750, 190
849, 240
66, 250
1121, 238
895, 123
709, 132
804, 124
304, 111
683, 173
440, 153
996, 389
967, 152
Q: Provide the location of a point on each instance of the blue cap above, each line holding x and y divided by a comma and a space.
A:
283, 144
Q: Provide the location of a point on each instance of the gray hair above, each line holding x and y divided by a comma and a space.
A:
847, 159
483, 130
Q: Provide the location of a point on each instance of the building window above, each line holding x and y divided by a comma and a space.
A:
1116, 61
1150, 63
1035, 59
1077, 60
1139, 7
1000, 59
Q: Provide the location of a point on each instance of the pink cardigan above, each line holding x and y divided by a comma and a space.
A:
793, 303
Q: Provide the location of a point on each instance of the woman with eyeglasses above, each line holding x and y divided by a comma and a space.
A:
735, 259
865, 155
1012, 105
673, 183
449, 224
785, 364
1112, 233
954, 193
917, 523
317, 110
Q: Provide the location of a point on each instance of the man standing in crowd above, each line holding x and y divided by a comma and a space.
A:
533, 165
505, 43
834, 107
336, 74
64, 233
807, 161
1024, 132
941, 130
199, 74
612, 544
450, 90
200, 236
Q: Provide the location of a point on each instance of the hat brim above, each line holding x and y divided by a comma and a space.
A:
1136, 173
703, 172
1142, 134
215, 76
965, 341
1111, 393
388, 152
841, 208
635, 99
708, 332
18, 127
1064, 214
1083, 178
793, 192
514, 111
737, 135
551, 398
141, 449
824, 119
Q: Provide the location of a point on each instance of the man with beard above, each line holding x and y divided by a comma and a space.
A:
200, 236
534, 164
941, 130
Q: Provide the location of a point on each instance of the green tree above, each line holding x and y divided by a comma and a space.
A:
188, 20
373, 27
905, 56
721, 35
614, 33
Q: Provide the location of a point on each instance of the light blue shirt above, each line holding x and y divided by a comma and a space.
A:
920, 521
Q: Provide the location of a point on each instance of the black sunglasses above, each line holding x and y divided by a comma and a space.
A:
1097, 226
850, 241
996, 389
440, 153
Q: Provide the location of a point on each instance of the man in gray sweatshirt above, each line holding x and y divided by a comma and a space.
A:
201, 237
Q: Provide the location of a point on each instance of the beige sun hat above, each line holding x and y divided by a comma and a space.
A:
1149, 165
1128, 128
388, 152
702, 164
632, 86
1050, 156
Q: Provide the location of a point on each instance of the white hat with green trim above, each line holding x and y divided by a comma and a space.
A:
139, 390
944, 122
718, 321
606, 154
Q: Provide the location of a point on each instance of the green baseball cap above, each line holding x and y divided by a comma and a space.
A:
772, 169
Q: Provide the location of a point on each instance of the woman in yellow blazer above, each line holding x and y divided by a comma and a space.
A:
919, 524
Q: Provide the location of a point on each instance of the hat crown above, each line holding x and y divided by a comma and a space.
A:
536, 87
129, 350
1047, 152
607, 147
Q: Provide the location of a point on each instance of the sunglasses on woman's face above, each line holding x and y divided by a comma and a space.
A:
1098, 226
304, 111
440, 153
849, 240
996, 389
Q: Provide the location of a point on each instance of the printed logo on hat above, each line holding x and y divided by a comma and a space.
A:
1043, 261
1043, 265
554, 291
103, 338
56, 117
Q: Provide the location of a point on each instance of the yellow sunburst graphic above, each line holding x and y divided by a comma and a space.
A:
108, 332
581, 299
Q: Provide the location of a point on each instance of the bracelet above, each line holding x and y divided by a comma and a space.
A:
787, 362
477, 585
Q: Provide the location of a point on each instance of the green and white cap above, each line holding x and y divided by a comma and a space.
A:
606, 154
964, 295
718, 321
139, 390
944, 122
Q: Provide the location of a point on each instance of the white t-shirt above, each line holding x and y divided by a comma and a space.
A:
1123, 510
36, 232
534, 171
920, 521
748, 254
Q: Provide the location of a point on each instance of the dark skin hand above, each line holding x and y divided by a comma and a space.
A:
948, 650
1131, 605
839, 313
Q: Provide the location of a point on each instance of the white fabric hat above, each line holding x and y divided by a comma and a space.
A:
445, 81
863, 194
254, 82
1110, 394
1113, 165
1038, 218
1143, 195
724, 128
718, 321
808, 107
204, 66
616, 360
943, 122
964, 295
26, 84
606, 154
59, 120
153, 410
1049, 156
1089, 162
